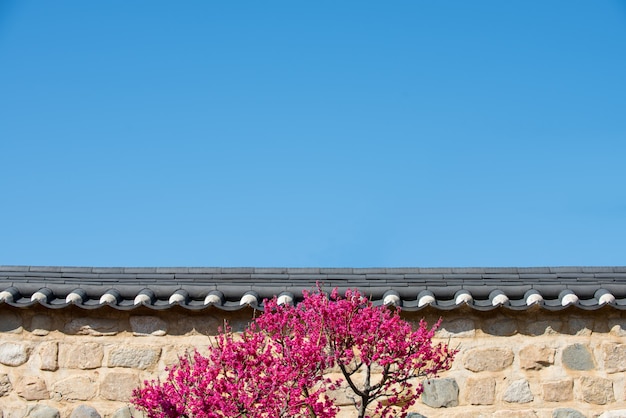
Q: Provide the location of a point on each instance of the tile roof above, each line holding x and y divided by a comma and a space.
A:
229, 288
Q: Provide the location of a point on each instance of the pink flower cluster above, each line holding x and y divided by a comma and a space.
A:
277, 366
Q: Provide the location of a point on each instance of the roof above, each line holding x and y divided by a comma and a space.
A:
127, 288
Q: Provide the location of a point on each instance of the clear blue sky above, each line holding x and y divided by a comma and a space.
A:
313, 133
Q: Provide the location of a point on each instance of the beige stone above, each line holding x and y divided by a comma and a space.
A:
488, 359
134, 356
80, 356
480, 391
118, 386
527, 413
75, 388
48, 354
614, 357
534, 357
558, 391
32, 388
5, 384
596, 390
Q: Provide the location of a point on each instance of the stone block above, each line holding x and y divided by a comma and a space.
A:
80, 356
14, 354
92, 326
5, 384
480, 391
488, 359
577, 357
558, 391
534, 357
118, 386
43, 411
147, 325
135, 357
617, 327
76, 388
526, 413
41, 325
85, 411
459, 328
518, 392
617, 413
567, 413
596, 390
544, 327
580, 326
128, 412
501, 327
49, 356
614, 357
441, 393
32, 388
10, 322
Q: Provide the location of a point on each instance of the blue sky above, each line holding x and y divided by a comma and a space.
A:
295, 133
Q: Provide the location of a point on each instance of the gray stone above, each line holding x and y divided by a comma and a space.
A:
128, 412
441, 393
501, 327
43, 411
14, 354
147, 325
456, 328
577, 357
41, 325
415, 415
92, 326
84, 411
544, 327
567, 413
10, 322
135, 357
5, 384
518, 392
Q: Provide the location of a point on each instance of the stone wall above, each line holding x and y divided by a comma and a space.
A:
532, 363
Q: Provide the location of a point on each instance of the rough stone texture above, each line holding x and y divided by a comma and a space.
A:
32, 388
544, 327
518, 392
617, 327
49, 356
77, 388
10, 322
5, 384
92, 326
459, 328
147, 325
480, 391
14, 354
488, 359
596, 390
43, 411
527, 413
501, 327
415, 415
128, 412
618, 413
118, 386
533, 357
567, 413
577, 357
85, 411
558, 391
580, 326
41, 325
135, 357
614, 357
81, 356
441, 393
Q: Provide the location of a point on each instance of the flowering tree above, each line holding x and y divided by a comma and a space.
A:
277, 366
